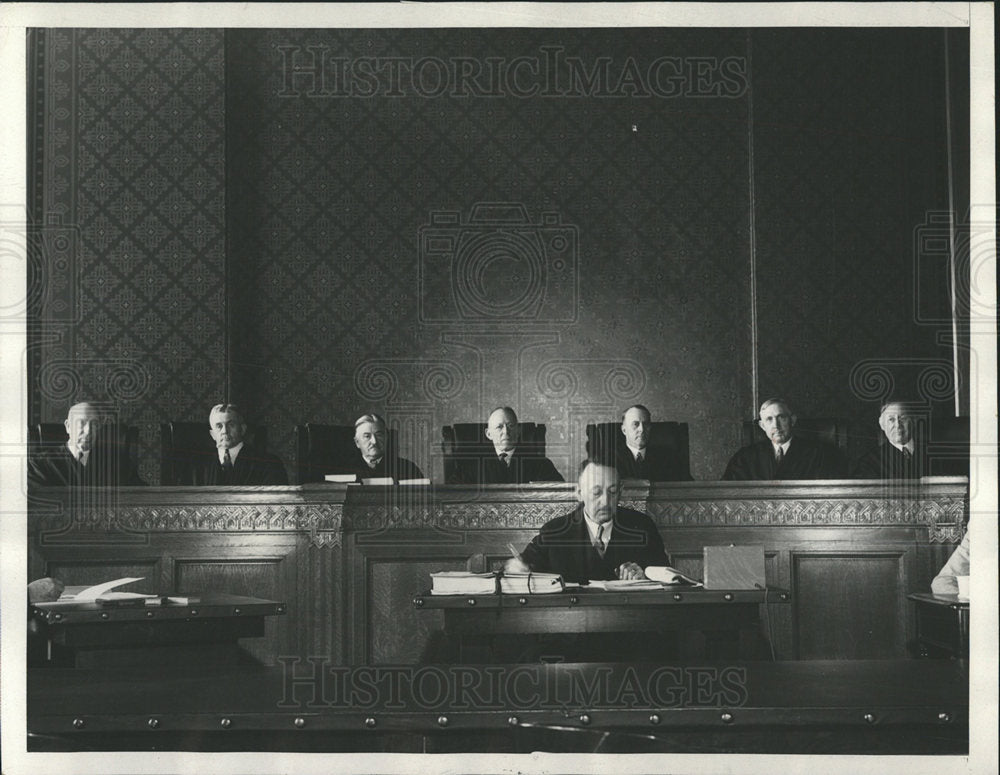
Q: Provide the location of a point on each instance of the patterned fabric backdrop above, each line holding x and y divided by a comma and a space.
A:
132, 168
302, 220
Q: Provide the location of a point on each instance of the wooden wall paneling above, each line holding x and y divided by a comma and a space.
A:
851, 604
255, 566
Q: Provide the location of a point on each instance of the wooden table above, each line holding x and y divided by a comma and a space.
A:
942, 625
729, 620
89, 634
849, 707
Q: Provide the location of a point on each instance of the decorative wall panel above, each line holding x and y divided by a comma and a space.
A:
132, 159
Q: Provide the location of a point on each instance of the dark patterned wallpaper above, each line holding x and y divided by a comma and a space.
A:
131, 166
359, 293
851, 160
303, 217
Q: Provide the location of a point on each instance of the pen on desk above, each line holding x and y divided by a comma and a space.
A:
514, 553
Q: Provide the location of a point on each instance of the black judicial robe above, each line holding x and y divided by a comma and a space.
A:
656, 466
107, 466
523, 468
805, 459
886, 462
396, 467
563, 546
252, 467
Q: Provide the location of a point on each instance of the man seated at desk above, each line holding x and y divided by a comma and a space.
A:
88, 459
374, 460
599, 539
235, 461
784, 455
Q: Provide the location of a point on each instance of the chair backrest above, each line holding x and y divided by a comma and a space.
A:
183, 444
669, 439
832, 430
465, 443
323, 449
947, 446
53, 434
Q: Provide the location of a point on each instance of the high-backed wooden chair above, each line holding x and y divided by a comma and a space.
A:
53, 434
947, 446
326, 449
184, 444
832, 430
667, 440
464, 444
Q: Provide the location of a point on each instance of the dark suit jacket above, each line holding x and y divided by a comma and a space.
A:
396, 467
563, 546
656, 466
252, 467
805, 459
106, 467
523, 468
886, 462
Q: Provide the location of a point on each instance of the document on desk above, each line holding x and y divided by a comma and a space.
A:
84, 594
460, 582
624, 585
531, 583
664, 574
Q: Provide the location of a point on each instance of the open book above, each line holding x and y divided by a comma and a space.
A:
531, 583
460, 582
104, 594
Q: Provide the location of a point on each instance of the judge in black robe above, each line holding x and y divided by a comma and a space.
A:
798, 458
246, 464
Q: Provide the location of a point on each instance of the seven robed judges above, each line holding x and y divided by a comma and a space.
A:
93, 456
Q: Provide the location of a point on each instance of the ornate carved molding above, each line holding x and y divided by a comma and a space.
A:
323, 522
850, 511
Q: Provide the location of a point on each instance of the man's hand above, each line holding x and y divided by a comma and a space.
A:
515, 566
630, 570
44, 590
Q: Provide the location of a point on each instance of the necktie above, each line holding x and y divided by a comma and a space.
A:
227, 467
599, 542
779, 455
639, 457
906, 453
505, 459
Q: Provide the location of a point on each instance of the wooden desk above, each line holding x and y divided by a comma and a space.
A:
847, 707
347, 560
729, 620
92, 634
942, 625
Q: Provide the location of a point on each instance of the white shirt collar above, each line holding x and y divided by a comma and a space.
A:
593, 526
372, 463
909, 446
233, 452
79, 455
635, 450
509, 453
784, 447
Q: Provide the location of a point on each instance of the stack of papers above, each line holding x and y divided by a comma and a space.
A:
627, 585
531, 583
460, 582
671, 576
341, 478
